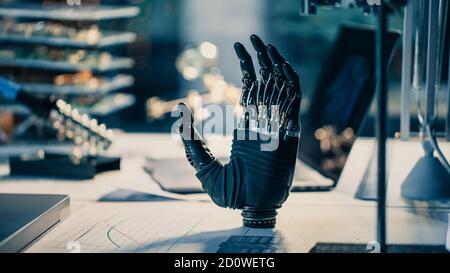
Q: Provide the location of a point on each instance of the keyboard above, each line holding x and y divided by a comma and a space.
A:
362, 248
253, 244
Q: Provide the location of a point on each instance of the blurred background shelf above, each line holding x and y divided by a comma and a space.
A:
68, 13
15, 108
109, 104
117, 63
108, 85
105, 106
77, 53
108, 39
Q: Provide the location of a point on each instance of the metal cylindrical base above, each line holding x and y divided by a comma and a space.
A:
259, 217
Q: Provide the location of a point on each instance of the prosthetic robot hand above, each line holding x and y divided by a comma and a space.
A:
259, 175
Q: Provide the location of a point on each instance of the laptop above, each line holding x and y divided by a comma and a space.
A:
26, 217
345, 90
341, 99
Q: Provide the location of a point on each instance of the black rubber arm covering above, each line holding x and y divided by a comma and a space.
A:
253, 177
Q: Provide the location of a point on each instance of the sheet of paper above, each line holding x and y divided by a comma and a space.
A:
140, 227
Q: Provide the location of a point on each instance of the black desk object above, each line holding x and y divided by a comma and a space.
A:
60, 165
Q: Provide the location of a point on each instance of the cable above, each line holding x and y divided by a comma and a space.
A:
426, 124
435, 145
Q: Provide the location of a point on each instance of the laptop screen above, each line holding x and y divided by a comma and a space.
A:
340, 101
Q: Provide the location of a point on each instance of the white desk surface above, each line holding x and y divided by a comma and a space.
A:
192, 226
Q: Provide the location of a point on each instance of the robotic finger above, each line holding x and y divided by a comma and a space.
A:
290, 109
265, 67
248, 74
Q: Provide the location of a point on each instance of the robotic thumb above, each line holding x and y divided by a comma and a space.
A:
196, 150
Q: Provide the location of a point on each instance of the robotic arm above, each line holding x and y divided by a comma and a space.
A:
259, 175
